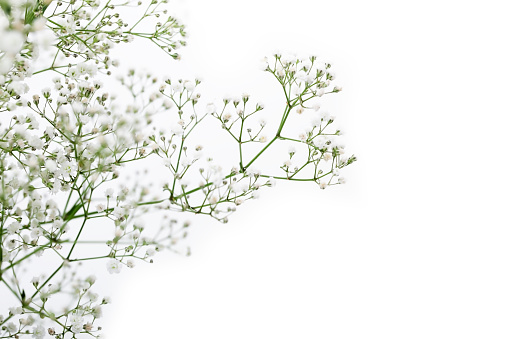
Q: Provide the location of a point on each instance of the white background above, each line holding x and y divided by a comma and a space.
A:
415, 245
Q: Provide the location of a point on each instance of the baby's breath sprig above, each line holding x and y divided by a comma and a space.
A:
65, 199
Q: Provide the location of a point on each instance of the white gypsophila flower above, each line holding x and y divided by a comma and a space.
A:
92, 296
309, 79
4, 22
167, 162
211, 108
119, 212
184, 182
185, 161
32, 162
320, 142
38, 254
236, 187
68, 169
316, 123
135, 235
57, 186
57, 224
11, 42
6, 256
177, 87
300, 75
11, 327
118, 232
22, 119
252, 172
20, 131
35, 142
36, 233
165, 205
264, 64
150, 252
91, 280
13, 227
6, 63
227, 116
11, 243
39, 24
324, 115
15, 310
287, 59
50, 131
296, 90
38, 332
113, 266
69, 25
29, 320
197, 154
97, 311
177, 129
217, 180
76, 328
109, 192
78, 107
43, 38
35, 280
84, 85
36, 196
189, 85
18, 87
33, 122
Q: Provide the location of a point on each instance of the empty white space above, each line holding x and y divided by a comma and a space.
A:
414, 245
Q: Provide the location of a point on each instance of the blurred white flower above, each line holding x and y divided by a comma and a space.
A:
11, 42
113, 266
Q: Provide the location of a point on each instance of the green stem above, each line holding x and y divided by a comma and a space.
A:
260, 153
47, 280
177, 167
38, 249
11, 289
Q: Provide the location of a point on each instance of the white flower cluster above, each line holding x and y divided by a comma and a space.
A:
12, 32
319, 152
63, 146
